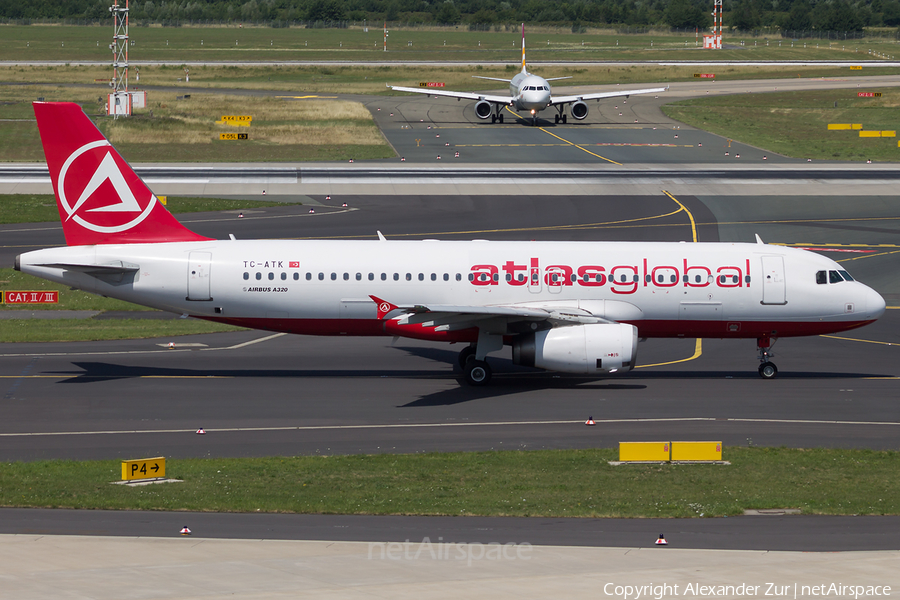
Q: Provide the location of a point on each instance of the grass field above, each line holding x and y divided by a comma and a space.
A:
551, 483
796, 123
193, 44
173, 129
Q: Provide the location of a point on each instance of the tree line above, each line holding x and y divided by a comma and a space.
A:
741, 15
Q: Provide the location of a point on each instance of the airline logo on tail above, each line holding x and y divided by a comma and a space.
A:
93, 211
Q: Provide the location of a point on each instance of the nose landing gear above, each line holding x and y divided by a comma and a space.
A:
767, 369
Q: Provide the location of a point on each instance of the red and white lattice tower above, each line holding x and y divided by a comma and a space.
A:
119, 100
714, 41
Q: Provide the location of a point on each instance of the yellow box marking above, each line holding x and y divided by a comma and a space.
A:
888, 134
856, 126
869, 134
696, 450
856, 68
143, 468
644, 451
839, 126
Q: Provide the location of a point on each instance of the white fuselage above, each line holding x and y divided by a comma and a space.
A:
324, 287
529, 92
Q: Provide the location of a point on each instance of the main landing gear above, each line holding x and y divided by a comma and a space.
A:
560, 116
767, 369
476, 372
497, 115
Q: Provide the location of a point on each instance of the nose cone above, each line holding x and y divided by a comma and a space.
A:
535, 99
875, 304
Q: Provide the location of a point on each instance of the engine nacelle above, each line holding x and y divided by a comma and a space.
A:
579, 110
483, 109
583, 349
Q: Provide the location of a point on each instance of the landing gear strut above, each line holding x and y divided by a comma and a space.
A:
767, 369
560, 116
475, 369
497, 115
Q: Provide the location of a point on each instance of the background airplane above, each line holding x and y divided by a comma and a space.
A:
527, 92
575, 307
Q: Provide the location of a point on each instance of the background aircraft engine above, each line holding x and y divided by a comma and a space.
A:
579, 110
583, 349
483, 109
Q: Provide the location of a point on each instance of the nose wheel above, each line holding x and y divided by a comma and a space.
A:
767, 369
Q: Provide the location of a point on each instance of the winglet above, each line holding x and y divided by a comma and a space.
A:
381, 237
383, 307
758, 239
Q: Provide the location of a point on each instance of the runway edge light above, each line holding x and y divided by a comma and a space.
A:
662, 541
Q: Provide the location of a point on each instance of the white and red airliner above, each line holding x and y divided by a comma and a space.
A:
574, 307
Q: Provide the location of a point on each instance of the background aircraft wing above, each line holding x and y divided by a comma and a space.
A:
599, 95
449, 94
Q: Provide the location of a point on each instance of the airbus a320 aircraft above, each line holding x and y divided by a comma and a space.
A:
527, 92
575, 307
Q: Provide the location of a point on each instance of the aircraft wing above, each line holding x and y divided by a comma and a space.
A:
453, 317
600, 95
449, 94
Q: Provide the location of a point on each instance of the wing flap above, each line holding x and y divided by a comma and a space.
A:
600, 95
450, 94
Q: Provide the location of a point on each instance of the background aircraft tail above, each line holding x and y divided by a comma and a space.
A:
101, 200
524, 69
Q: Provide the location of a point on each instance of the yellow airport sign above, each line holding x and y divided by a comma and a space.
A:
844, 126
888, 134
233, 136
870, 134
645, 451
696, 450
856, 68
162, 199
143, 468
247, 118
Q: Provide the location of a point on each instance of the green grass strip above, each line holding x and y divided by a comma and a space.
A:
551, 483
796, 123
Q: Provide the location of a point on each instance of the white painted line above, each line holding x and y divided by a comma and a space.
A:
815, 422
178, 348
334, 427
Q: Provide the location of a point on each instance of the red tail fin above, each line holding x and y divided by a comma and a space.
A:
100, 199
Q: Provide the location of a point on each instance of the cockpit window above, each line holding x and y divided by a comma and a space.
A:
846, 275
821, 277
834, 277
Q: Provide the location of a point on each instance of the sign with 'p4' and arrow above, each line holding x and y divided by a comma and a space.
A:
143, 468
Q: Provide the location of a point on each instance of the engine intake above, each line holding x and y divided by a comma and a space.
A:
583, 349
579, 110
483, 109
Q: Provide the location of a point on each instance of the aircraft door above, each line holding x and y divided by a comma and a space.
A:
773, 291
198, 275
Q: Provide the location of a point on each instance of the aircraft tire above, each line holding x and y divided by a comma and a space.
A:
477, 373
493, 118
500, 118
768, 370
556, 118
564, 118
465, 355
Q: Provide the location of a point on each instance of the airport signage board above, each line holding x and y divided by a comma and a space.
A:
705, 75
868, 94
143, 468
431, 84
856, 68
233, 136
238, 118
35, 297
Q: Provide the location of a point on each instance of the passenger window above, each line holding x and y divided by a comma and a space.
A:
747, 278
471, 277
409, 276
346, 276
258, 276
308, 276
508, 277
271, 276
734, 278
521, 277
697, 278
246, 276
721, 279
371, 276
820, 277
834, 277
321, 276
846, 275
384, 276
421, 276
396, 276
458, 277
446, 276
283, 276
334, 276
635, 278
434, 276
660, 279
296, 276
685, 278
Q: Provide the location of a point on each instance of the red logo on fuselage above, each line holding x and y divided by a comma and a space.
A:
622, 279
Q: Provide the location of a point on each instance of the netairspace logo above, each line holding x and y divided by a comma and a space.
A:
774, 590
426, 550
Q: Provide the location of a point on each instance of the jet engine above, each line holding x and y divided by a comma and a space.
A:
579, 110
483, 109
583, 349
